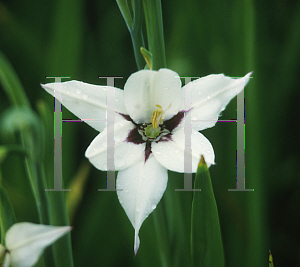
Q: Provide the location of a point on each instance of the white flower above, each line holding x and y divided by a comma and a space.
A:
25, 243
149, 129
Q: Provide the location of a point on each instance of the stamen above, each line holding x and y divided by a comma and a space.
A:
157, 116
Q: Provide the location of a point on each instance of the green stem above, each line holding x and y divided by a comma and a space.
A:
155, 34
134, 26
136, 33
258, 236
59, 216
58, 211
37, 179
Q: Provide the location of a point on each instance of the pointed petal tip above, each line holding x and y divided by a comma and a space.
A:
247, 77
136, 244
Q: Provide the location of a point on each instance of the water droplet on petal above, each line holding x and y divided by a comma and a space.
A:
199, 93
158, 152
176, 151
116, 100
208, 97
77, 91
153, 206
84, 96
126, 191
137, 210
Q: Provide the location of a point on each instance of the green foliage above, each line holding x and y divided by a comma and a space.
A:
206, 239
87, 39
7, 214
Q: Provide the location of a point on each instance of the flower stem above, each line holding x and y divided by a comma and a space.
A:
155, 34
134, 26
136, 33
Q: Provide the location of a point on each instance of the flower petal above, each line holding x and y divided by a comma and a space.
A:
125, 153
210, 95
88, 101
143, 186
27, 241
147, 88
7, 260
170, 154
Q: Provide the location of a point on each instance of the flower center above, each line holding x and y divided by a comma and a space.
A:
155, 130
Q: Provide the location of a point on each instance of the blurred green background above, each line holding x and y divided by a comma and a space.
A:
87, 39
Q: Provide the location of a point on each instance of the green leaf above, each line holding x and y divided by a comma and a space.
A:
125, 10
270, 259
11, 83
206, 241
58, 211
24, 121
7, 214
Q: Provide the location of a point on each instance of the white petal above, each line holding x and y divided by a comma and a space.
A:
88, 101
170, 154
27, 241
143, 186
125, 153
146, 88
210, 95
7, 260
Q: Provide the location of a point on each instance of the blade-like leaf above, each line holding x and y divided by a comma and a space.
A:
7, 214
206, 241
270, 259
11, 83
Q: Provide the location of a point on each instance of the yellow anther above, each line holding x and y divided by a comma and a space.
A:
157, 116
